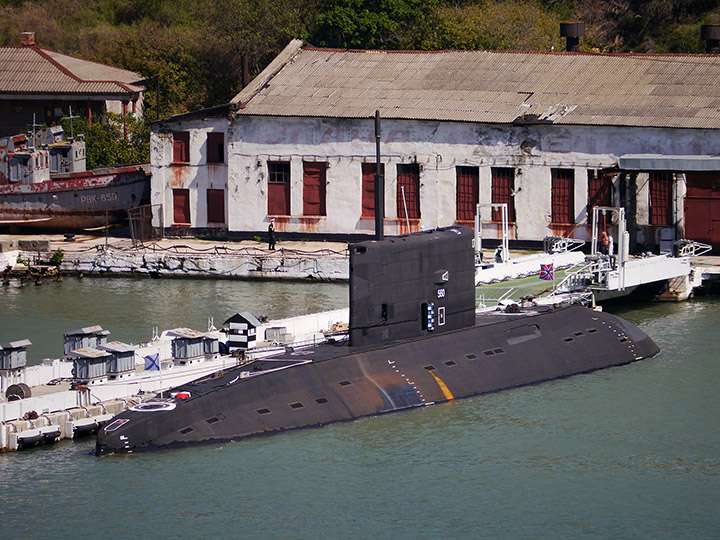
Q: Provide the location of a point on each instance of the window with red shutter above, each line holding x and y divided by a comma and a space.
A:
408, 190
467, 192
599, 191
216, 205
368, 188
181, 147
503, 185
661, 198
563, 193
216, 148
181, 206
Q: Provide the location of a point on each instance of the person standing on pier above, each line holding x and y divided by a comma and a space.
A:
271, 234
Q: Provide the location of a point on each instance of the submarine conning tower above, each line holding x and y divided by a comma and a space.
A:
408, 286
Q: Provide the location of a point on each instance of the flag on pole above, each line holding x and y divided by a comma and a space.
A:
546, 272
152, 362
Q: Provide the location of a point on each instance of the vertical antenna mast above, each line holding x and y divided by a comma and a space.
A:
379, 185
71, 118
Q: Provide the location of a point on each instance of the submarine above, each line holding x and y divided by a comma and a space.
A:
415, 339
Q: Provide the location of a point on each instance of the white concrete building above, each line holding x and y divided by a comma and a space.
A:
551, 134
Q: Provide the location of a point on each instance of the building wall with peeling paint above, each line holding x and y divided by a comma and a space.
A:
437, 147
197, 175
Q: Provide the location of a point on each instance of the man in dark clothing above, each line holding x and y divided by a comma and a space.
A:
271, 234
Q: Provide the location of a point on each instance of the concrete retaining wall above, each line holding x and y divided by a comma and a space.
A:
282, 264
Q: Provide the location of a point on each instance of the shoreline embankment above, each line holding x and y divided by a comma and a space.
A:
176, 257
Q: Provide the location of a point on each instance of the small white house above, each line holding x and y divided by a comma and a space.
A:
551, 134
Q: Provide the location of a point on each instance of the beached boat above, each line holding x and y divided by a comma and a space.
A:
44, 184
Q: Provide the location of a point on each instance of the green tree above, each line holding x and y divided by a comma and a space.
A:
374, 24
118, 141
510, 25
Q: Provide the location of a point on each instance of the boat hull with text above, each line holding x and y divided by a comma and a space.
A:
75, 200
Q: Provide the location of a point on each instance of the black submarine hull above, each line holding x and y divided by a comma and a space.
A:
330, 383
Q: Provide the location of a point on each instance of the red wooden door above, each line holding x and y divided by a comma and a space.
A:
279, 188
702, 208
314, 188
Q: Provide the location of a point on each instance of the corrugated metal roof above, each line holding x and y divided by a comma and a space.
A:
32, 70
187, 333
88, 352
678, 91
19, 344
89, 330
116, 346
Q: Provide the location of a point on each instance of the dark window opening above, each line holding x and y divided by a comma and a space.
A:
279, 188
408, 191
181, 147
467, 193
563, 193
344, 383
321, 400
503, 186
314, 182
263, 411
296, 405
216, 148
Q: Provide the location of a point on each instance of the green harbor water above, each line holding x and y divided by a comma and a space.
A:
629, 452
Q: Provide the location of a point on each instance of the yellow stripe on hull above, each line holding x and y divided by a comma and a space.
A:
443, 387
